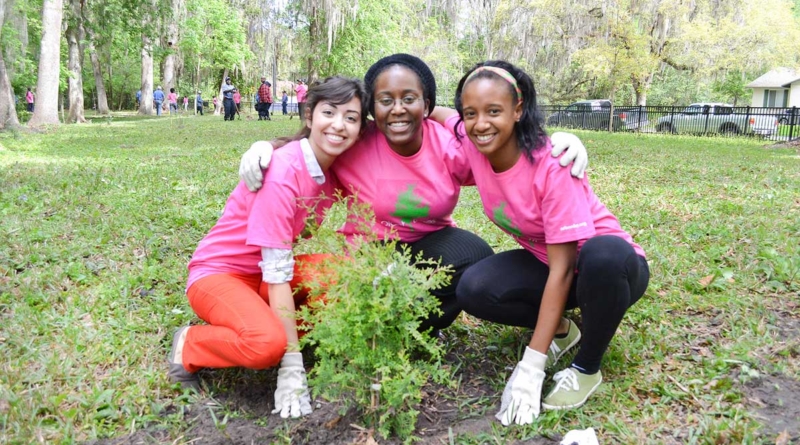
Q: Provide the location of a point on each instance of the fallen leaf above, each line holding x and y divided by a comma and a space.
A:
333, 422
783, 438
705, 281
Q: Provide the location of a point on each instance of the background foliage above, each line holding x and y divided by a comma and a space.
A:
656, 52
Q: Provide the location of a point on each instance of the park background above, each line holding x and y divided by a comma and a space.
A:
95, 55
99, 220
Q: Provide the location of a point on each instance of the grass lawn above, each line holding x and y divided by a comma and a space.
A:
100, 220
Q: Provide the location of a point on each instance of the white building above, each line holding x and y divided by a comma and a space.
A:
777, 88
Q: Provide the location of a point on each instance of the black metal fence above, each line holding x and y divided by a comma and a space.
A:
778, 124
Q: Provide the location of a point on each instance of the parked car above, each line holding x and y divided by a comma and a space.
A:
595, 115
716, 118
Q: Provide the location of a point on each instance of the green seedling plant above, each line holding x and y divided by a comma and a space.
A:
370, 352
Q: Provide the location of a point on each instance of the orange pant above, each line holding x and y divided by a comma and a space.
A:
242, 329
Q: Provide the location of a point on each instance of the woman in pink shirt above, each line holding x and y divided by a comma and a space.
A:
409, 170
301, 89
242, 275
172, 98
237, 99
574, 252
29, 99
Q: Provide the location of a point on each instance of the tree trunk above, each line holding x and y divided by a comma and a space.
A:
75, 68
8, 112
171, 61
46, 108
102, 97
641, 87
146, 102
313, 37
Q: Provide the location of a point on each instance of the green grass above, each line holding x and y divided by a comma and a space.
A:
100, 220
788, 130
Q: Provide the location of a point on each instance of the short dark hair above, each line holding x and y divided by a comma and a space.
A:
413, 63
529, 130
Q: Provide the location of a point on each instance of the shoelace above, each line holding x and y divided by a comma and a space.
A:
566, 379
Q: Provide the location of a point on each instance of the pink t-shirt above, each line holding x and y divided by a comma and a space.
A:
273, 217
172, 98
541, 203
29, 97
413, 195
301, 91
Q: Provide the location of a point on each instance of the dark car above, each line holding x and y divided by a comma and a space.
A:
596, 114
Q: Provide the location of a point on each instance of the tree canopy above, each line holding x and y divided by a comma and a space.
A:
657, 52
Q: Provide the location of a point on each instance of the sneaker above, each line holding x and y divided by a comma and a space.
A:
177, 373
572, 389
560, 346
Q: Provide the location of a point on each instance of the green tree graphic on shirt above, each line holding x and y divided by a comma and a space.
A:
501, 219
409, 206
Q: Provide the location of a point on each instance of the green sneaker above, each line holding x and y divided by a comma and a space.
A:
572, 389
560, 346
177, 373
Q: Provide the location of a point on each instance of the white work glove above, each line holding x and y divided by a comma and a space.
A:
291, 394
576, 152
257, 157
521, 399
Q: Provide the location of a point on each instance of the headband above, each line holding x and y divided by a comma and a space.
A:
500, 72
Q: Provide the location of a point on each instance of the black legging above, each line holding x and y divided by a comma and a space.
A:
507, 288
458, 248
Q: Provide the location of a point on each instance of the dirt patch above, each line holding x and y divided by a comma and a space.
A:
239, 412
776, 401
788, 144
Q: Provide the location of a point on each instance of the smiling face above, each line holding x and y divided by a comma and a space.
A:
490, 114
400, 109
334, 129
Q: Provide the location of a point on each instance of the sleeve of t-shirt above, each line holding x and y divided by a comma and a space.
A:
271, 219
566, 212
456, 153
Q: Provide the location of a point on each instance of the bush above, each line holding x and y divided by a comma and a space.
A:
370, 354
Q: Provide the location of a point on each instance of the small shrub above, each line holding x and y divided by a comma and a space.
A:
369, 351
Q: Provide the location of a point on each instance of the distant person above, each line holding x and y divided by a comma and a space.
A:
284, 102
185, 103
237, 100
301, 89
227, 99
138, 99
198, 103
172, 98
214, 101
158, 100
264, 99
29, 99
